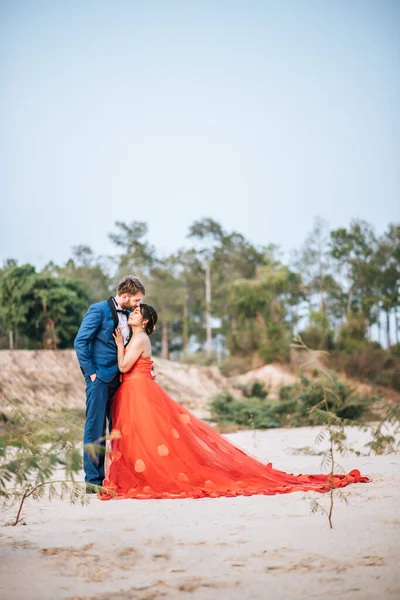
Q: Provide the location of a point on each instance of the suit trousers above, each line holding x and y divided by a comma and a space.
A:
99, 395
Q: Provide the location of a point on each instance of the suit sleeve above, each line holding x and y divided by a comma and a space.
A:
88, 330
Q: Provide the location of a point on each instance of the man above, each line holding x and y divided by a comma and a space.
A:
97, 356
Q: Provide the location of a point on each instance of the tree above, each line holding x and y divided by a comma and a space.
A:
313, 261
46, 309
226, 257
189, 270
261, 311
13, 307
137, 255
235, 258
164, 291
354, 251
210, 233
388, 276
87, 268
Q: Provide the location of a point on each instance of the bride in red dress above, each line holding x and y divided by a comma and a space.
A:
158, 449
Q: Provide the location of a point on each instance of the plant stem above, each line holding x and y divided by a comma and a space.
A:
332, 484
24, 497
28, 492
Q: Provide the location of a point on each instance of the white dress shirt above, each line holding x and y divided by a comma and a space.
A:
123, 323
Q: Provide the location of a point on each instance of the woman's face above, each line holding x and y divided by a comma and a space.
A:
135, 318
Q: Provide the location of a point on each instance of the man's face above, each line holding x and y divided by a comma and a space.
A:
130, 302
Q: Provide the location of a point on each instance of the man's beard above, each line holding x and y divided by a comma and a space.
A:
129, 307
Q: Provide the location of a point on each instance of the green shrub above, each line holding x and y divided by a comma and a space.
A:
275, 350
342, 401
292, 408
256, 389
250, 413
353, 330
318, 338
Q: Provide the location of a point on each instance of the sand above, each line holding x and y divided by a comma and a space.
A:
48, 378
272, 376
260, 547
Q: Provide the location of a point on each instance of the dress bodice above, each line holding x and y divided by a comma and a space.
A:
140, 370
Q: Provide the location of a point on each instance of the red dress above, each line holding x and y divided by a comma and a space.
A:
159, 449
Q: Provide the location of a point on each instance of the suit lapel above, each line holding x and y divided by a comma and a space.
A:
111, 304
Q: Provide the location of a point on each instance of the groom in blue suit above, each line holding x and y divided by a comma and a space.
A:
97, 356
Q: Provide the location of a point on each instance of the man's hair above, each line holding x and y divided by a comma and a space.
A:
130, 285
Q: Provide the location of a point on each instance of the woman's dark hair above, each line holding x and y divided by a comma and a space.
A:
149, 314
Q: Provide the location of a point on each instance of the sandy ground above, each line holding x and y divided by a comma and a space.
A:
47, 378
230, 548
273, 376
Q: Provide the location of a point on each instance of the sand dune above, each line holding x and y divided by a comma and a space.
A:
44, 378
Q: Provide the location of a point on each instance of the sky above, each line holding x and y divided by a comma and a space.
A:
259, 114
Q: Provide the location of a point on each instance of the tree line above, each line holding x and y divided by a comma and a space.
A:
222, 294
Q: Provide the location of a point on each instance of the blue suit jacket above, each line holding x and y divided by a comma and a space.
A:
94, 344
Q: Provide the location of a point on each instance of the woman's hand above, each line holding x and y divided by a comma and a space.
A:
118, 338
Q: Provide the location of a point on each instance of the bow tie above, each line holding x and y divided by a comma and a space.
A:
124, 312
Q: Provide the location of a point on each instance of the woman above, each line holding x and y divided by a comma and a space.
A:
159, 449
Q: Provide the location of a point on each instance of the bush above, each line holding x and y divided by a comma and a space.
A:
275, 351
256, 389
353, 330
317, 338
395, 350
277, 347
291, 409
250, 413
371, 364
342, 401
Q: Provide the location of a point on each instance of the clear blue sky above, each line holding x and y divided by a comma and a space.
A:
259, 114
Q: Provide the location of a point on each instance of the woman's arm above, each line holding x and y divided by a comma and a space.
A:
135, 349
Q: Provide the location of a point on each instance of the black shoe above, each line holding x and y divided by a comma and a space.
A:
92, 488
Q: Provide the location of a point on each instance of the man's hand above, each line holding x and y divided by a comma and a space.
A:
118, 338
92, 377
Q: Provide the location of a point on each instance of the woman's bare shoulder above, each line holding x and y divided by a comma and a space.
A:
141, 341
146, 346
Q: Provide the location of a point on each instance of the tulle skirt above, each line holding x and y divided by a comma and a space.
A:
158, 449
